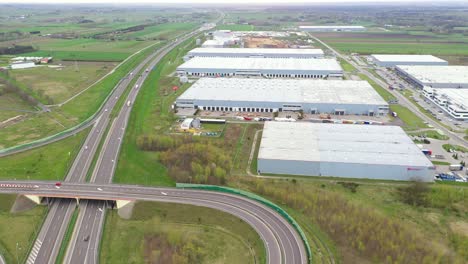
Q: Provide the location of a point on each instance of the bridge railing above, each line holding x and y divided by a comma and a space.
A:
257, 198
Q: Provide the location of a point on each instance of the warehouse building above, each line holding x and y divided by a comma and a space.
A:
255, 53
452, 101
384, 60
338, 150
336, 97
331, 28
436, 76
267, 67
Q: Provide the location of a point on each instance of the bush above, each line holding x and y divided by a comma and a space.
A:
415, 194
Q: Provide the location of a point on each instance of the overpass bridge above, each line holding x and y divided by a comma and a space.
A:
282, 242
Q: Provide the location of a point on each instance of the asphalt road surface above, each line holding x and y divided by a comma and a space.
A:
283, 244
47, 245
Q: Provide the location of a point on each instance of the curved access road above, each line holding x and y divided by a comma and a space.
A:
282, 242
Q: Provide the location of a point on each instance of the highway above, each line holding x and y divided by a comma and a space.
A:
283, 243
454, 137
61, 211
91, 220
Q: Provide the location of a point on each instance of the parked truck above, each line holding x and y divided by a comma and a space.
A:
426, 151
456, 167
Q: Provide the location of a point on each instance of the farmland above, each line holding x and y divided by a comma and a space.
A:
236, 27
63, 81
396, 42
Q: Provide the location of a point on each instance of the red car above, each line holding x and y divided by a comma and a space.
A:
58, 184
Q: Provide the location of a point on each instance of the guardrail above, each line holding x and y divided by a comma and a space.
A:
257, 198
77, 128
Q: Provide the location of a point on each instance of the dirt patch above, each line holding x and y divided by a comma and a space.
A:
22, 204
460, 227
251, 42
157, 249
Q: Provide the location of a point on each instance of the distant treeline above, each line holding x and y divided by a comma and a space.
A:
16, 49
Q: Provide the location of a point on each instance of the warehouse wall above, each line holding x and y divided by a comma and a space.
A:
345, 170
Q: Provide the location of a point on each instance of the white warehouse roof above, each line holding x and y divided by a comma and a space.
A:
255, 51
437, 73
317, 142
289, 64
284, 90
332, 27
407, 58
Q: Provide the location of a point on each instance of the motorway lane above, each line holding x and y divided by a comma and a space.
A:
47, 252
104, 171
283, 243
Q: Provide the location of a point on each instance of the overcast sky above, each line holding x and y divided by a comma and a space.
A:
220, 1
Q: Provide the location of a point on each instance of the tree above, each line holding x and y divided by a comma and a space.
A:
414, 194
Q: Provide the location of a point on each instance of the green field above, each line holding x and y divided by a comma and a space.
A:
396, 43
159, 232
430, 134
150, 115
352, 221
59, 84
50, 162
162, 30
236, 27
18, 230
412, 121
80, 55
13, 102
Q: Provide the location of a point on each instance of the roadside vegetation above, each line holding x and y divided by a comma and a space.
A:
383, 223
18, 230
50, 162
168, 233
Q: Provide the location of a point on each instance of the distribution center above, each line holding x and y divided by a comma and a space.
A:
452, 101
332, 28
384, 60
337, 97
267, 67
255, 53
338, 150
435, 76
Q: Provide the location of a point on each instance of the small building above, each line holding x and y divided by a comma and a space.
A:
212, 43
435, 76
189, 123
452, 101
22, 65
340, 150
331, 28
256, 53
266, 67
338, 97
384, 60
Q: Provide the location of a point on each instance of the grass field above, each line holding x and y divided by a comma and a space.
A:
386, 95
37, 126
50, 162
159, 232
150, 115
18, 230
396, 43
80, 55
412, 121
447, 147
59, 84
162, 30
430, 134
442, 222
236, 27
13, 102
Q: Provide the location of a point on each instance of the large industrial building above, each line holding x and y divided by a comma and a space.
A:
267, 67
384, 60
336, 97
331, 28
452, 101
338, 150
435, 76
256, 53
